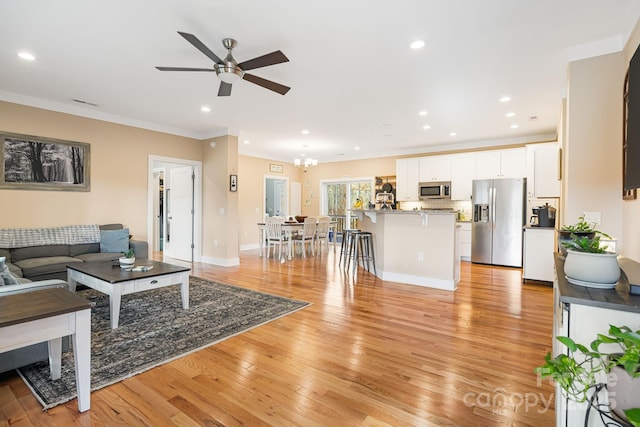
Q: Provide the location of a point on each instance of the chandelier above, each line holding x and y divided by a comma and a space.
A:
305, 163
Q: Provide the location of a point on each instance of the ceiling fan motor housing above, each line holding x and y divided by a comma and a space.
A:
229, 71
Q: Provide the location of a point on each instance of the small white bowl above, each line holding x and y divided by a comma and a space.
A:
126, 262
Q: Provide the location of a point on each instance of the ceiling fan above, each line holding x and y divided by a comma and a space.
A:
228, 70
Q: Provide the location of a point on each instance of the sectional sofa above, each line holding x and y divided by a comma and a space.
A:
43, 253
39, 256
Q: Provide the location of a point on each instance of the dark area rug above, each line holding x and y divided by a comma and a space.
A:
155, 329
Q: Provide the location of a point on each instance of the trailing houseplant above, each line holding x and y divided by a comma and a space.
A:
580, 229
580, 372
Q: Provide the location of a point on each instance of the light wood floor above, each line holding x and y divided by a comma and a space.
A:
369, 353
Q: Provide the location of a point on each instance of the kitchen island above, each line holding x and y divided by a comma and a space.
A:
415, 247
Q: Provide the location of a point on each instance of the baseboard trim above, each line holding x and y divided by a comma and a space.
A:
224, 262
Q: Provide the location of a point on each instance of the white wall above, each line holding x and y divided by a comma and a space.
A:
593, 146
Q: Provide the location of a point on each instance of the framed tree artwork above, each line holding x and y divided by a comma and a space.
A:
37, 163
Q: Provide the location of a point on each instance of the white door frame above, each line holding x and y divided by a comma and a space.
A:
155, 162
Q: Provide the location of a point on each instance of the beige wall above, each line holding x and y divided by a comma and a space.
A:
251, 174
119, 157
219, 204
593, 145
631, 208
352, 169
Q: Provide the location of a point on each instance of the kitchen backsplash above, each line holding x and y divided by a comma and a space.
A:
464, 206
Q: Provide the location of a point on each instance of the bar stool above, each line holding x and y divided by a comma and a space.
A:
361, 248
345, 244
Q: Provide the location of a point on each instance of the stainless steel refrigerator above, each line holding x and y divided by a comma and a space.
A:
498, 219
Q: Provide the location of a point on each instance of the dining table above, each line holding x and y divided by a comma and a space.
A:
289, 228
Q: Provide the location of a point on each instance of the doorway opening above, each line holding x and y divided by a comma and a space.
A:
276, 196
174, 208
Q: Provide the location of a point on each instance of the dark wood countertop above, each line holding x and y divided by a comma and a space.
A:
614, 299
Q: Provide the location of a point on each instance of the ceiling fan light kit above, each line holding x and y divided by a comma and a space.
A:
229, 71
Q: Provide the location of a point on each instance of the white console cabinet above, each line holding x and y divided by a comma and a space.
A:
582, 315
539, 247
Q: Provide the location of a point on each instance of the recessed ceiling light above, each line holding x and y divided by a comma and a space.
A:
453, 134
510, 114
505, 98
247, 142
423, 113
27, 56
426, 127
305, 132
514, 126
205, 109
356, 148
417, 44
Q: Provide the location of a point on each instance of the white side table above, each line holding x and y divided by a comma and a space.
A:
48, 315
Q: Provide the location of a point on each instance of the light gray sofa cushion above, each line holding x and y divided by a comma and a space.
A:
100, 256
19, 254
84, 248
35, 267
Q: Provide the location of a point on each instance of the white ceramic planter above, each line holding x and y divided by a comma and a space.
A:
126, 262
592, 268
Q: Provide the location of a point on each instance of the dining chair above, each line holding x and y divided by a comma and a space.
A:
307, 237
322, 232
275, 235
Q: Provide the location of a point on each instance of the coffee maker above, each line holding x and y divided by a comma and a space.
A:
543, 216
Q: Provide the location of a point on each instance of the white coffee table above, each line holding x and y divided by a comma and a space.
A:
110, 279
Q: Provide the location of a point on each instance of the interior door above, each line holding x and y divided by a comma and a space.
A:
179, 236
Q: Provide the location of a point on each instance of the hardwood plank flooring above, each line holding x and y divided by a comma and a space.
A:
365, 353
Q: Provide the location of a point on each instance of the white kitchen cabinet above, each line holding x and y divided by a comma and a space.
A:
543, 170
465, 241
463, 167
407, 178
435, 168
508, 163
539, 248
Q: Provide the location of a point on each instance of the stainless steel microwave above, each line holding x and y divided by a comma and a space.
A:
434, 190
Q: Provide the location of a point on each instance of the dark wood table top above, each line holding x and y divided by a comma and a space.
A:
110, 271
34, 305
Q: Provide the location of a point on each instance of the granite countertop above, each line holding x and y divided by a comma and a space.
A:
614, 299
531, 227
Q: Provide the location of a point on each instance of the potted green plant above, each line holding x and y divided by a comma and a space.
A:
581, 228
588, 263
583, 370
127, 259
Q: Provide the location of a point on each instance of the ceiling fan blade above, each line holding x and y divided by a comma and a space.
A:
183, 69
225, 89
268, 84
201, 47
272, 58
